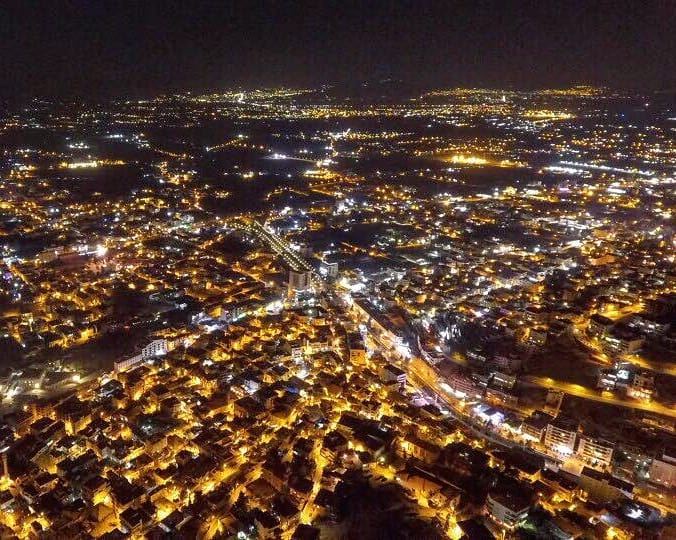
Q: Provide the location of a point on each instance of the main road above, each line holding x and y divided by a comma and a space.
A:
276, 243
594, 395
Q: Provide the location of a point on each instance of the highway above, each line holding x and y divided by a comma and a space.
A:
277, 244
595, 395
658, 367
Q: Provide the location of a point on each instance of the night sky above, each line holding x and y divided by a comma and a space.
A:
101, 48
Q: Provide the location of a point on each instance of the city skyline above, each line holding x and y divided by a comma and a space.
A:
279, 312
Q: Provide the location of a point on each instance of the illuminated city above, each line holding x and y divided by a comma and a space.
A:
314, 311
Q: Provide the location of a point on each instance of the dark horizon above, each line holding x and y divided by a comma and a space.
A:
106, 49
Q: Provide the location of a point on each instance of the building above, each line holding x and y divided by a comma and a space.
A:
597, 453
329, 269
503, 381
510, 363
599, 325
650, 325
474, 530
642, 385
603, 487
622, 340
561, 435
424, 482
499, 396
662, 305
663, 469
535, 425
606, 379
299, 281
537, 338
461, 386
355, 345
392, 374
388, 329
157, 347
553, 402
412, 446
508, 508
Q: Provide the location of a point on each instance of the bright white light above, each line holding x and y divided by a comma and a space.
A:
357, 287
404, 350
101, 250
274, 307
635, 513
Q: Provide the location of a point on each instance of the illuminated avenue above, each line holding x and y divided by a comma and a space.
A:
293, 313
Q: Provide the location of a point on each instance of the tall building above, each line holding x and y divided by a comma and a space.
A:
329, 269
299, 281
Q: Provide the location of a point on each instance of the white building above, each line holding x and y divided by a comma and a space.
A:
649, 325
392, 374
329, 269
507, 508
596, 453
157, 347
561, 435
621, 341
